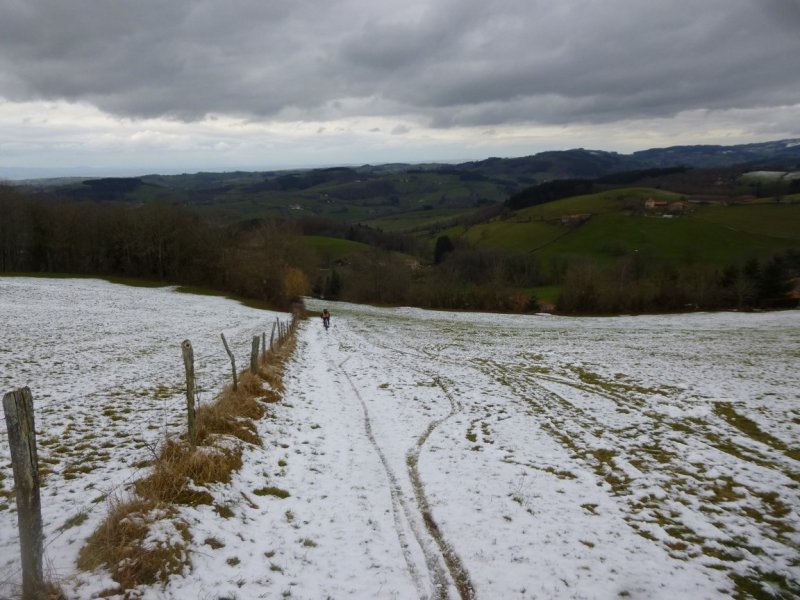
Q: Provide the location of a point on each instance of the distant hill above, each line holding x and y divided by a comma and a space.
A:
405, 197
782, 153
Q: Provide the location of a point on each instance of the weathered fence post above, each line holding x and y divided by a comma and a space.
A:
254, 354
233, 361
188, 363
272, 335
18, 408
264, 344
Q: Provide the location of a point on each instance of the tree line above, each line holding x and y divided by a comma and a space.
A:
157, 241
632, 284
461, 276
268, 261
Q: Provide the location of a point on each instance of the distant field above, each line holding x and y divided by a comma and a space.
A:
775, 220
409, 221
683, 239
717, 235
526, 236
603, 202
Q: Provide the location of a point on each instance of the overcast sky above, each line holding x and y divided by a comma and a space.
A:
122, 86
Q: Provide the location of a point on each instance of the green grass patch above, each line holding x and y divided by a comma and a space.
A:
764, 586
774, 220
214, 543
749, 428
272, 491
546, 293
520, 236
715, 235
416, 220
74, 521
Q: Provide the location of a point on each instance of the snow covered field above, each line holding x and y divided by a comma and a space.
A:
430, 454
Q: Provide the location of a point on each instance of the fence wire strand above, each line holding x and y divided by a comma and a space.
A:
212, 370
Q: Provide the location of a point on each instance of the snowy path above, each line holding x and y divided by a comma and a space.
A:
433, 455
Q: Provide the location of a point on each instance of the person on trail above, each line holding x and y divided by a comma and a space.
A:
326, 318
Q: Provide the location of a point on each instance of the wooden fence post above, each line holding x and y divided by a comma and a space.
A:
18, 408
272, 336
254, 355
264, 344
233, 361
188, 363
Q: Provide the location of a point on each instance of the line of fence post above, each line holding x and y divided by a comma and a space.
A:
233, 361
254, 354
188, 363
18, 408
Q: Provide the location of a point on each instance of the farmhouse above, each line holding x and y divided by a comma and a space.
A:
651, 204
575, 219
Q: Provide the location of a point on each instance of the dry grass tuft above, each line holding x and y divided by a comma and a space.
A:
127, 543
180, 469
234, 412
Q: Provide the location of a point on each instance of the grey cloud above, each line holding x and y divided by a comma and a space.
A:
447, 62
785, 12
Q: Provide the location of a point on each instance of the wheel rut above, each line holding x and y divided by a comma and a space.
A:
448, 576
438, 582
458, 572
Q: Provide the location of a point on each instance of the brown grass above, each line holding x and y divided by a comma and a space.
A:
233, 414
180, 465
180, 472
120, 544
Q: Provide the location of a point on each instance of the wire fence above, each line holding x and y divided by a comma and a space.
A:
123, 415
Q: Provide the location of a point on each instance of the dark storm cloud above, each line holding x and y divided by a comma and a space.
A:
454, 62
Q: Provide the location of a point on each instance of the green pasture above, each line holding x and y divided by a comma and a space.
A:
672, 240
415, 220
717, 235
774, 220
520, 236
602, 202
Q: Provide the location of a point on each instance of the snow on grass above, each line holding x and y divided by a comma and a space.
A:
421, 454
104, 365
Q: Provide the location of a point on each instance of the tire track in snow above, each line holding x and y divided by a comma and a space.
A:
436, 572
456, 568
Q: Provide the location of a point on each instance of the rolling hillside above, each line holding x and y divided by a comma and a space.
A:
611, 224
518, 229
405, 197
